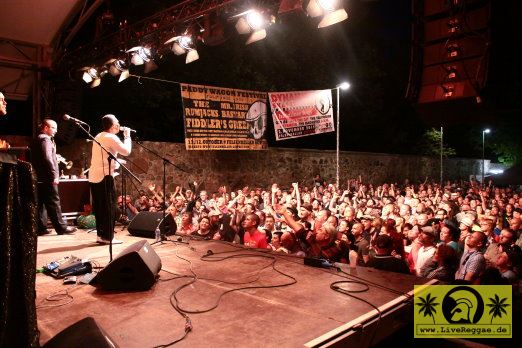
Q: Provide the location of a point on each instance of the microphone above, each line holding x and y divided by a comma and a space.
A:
75, 120
123, 129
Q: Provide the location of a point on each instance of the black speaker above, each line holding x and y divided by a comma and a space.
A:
82, 334
135, 268
145, 223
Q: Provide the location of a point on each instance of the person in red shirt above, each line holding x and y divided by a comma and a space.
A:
253, 238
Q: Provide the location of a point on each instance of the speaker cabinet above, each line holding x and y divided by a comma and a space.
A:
82, 334
145, 223
135, 268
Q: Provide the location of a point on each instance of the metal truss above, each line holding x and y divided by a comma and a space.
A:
155, 29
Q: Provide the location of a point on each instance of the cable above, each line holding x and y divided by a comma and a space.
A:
299, 260
335, 287
215, 257
59, 295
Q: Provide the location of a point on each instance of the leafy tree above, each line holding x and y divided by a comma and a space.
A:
507, 143
431, 144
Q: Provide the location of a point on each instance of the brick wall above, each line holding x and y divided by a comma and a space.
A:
261, 168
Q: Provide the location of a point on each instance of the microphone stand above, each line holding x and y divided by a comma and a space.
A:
123, 216
110, 157
166, 161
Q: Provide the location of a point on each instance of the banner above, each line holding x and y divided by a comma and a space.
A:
223, 118
301, 113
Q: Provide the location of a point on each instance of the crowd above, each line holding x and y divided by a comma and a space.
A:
458, 232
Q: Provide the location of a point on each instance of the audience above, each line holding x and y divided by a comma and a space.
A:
422, 229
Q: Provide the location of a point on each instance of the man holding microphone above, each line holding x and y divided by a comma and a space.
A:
101, 176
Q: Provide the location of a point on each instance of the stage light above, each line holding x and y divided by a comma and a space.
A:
184, 44
118, 67
255, 22
92, 75
331, 10
89, 74
140, 55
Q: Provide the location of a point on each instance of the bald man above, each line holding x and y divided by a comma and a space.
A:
101, 177
3, 112
3, 105
43, 157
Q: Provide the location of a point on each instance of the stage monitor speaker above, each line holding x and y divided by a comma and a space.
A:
145, 223
82, 334
135, 268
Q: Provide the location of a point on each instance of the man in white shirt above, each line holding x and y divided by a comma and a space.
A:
101, 177
428, 248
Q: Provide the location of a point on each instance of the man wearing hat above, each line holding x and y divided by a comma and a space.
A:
427, 238
465, 226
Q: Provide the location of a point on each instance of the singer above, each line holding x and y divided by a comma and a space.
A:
101, 177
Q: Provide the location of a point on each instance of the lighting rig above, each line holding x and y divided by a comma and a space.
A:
188, 24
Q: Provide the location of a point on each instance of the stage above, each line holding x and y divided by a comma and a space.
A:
289, 304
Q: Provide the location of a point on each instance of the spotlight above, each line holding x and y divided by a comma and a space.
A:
184, 44
140, 55
118, 67
253, 21
92, 75
89, 74
331, 10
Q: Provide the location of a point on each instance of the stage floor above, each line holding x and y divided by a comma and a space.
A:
278, 312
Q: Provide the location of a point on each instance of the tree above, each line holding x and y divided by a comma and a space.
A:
507, 143
431, 144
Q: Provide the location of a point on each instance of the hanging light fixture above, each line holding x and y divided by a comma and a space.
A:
331, 10
142, 55
184, 44
91, 75
254, 22
118, 67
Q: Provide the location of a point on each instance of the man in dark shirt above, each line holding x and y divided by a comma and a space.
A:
383, 259
362, 245
43, 155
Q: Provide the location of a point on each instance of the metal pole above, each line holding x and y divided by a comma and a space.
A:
483, 164
441, 152
337, 147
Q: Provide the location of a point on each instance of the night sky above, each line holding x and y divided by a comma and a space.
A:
371, 50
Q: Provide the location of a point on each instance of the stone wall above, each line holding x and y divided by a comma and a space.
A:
261, 168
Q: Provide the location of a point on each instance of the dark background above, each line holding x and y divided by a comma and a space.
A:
371, 50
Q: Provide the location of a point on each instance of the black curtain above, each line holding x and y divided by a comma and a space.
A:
18, 238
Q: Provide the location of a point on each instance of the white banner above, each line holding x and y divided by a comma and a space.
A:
301, 113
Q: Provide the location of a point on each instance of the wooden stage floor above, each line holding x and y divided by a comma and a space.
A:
305, 313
